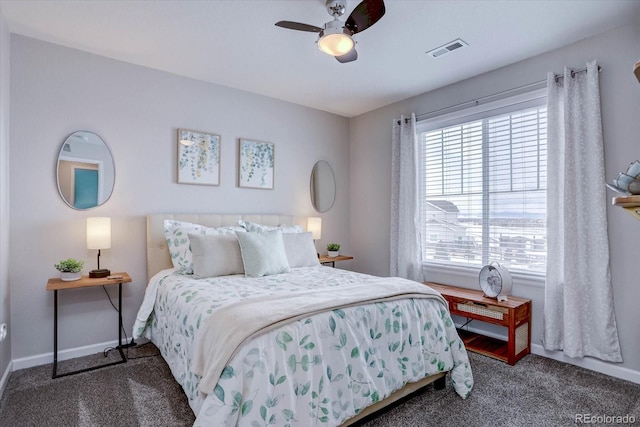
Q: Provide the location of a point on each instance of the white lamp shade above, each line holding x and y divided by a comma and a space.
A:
335, 39
98, 233
314, 225
336, 44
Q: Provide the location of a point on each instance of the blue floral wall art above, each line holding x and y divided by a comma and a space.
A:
255, 169
198, 157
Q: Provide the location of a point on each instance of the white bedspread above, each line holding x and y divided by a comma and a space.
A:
318, 369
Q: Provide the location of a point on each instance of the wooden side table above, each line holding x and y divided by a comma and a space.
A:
56, 284
514, 314
332, 260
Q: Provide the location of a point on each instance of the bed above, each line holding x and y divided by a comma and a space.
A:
320, 362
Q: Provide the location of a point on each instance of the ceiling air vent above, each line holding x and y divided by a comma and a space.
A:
449, 47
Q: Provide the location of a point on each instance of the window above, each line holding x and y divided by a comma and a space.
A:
483, 179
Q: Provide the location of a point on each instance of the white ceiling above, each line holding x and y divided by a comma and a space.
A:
235, 43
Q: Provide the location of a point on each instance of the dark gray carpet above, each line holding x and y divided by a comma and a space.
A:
535, 392
141, 392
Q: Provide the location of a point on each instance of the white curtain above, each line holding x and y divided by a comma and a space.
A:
406, 253
578, 305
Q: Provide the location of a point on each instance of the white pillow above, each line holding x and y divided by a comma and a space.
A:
300, 250
177, 235
263, 253
255, 227
216, 255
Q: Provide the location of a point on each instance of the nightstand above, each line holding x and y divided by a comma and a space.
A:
56, 284
332, 260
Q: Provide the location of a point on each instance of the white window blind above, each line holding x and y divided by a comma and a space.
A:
483, 187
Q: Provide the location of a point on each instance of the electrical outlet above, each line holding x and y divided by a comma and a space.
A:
3, 332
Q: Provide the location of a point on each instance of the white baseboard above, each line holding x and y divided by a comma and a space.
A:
43, 359
590, 363
5, 378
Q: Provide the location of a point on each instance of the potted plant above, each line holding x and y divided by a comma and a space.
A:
69, 269
333, 249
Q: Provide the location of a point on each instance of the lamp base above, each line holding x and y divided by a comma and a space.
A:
96, 274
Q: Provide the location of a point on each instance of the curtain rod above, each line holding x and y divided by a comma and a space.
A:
477, 101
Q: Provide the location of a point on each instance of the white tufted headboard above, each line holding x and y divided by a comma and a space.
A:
158, 257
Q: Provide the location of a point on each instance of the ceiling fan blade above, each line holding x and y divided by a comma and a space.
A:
298, 26
352, 55
365, 15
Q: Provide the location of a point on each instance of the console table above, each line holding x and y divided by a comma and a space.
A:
56, 284
332, 260
514, 314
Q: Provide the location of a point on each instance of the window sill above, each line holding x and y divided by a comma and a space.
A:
468, 276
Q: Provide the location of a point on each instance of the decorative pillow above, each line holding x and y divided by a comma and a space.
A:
263, 253
300, 250
177, 235
216, 255
255, 227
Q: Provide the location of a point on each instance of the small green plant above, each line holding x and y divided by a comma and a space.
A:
333, 247
69, 265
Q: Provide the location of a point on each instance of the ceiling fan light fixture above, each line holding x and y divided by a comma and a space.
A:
335, 41
335, 38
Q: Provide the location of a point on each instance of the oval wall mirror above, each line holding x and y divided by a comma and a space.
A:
85, 171
323, 187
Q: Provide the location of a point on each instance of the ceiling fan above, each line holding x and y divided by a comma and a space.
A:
336, 37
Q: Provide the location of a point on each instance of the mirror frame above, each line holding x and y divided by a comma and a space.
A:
105, 192
317, 180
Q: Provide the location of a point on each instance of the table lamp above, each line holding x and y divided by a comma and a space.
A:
99, 237
314, 225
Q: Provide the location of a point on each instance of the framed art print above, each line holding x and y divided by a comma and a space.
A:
255, 168
198, 157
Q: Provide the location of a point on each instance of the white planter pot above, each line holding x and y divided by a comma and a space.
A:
70, 277
333, 254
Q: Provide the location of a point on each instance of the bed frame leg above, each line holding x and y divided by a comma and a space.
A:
440, 383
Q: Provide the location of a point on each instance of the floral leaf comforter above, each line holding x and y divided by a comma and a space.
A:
316, 370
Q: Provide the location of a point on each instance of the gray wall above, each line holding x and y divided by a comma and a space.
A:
5, 311
56, 91
616, 51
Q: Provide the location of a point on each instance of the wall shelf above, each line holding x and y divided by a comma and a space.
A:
630, 204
